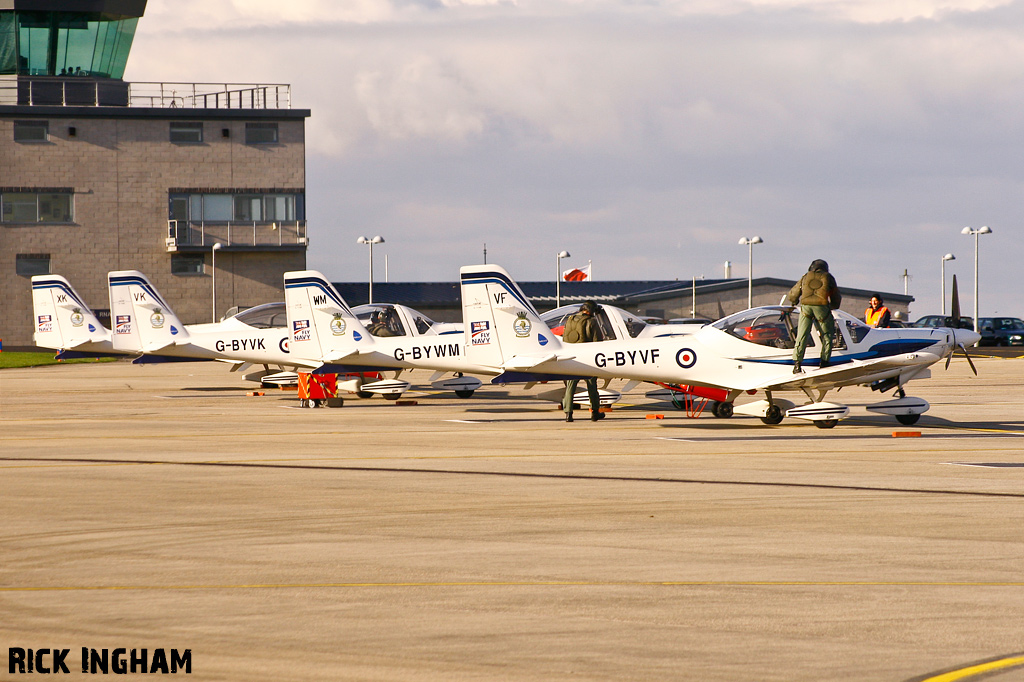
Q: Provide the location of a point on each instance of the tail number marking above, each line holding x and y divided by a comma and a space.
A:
627, 357
237, 345
450, 350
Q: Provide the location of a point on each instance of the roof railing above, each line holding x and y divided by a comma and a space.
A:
96, 92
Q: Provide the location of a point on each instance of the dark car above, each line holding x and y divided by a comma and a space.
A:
943, 321
1001, 331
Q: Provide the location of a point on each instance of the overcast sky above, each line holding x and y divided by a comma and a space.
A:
648, 136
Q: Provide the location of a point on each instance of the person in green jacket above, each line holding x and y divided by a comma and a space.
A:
581, 327
818, 295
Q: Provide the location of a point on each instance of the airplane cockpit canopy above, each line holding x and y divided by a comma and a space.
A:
776, 326
265, 316
768, 326
555, 319
384, 320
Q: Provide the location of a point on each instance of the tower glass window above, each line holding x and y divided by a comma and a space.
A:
34, 43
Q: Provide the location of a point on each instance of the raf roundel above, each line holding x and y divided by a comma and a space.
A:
686, 358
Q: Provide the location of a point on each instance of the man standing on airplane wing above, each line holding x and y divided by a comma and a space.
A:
818, 295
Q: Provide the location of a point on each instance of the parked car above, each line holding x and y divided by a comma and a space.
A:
943, 321
1001, 331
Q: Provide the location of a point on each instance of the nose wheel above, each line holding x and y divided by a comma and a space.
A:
772, 415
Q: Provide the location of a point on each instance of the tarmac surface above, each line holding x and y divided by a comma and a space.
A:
160, 507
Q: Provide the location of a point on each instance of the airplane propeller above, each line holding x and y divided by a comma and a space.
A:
954, 310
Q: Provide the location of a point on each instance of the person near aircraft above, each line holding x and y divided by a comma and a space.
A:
817, 295
581, 327
876, 314
379, 324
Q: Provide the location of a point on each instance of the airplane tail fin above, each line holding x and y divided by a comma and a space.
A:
503, 329
62, 319
141, 319
320, 323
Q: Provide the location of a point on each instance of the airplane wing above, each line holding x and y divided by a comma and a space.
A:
849, 373
523, 362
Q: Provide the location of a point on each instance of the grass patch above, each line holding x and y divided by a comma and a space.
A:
10, 360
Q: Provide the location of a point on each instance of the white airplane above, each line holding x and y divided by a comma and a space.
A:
64, 322
748, 351
143, 322
325, 330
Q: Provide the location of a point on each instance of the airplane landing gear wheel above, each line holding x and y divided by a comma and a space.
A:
723, 410
826, 423
364, 394
392, 396
907, 419
772, 416
464, 394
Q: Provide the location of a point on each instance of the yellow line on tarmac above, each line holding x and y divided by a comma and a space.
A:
980, 669
520, 583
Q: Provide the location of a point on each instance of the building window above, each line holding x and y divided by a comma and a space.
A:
188, 132
183, 264
29, 264
239, 206
31, 131
261, 133
36, 207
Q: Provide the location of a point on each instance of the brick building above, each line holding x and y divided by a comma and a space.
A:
97, 174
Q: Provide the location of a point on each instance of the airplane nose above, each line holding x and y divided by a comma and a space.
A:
967, 337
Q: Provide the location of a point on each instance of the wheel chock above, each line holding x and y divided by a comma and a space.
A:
906, 434
406, 402
655, 416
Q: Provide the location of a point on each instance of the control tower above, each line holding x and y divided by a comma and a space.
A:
100, 174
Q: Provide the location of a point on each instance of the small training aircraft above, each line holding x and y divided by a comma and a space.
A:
745, 352
143, 322
327, 332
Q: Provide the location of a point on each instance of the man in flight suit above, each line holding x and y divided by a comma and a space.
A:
818, 295
581, 327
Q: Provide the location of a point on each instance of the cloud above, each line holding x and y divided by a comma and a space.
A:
647, 136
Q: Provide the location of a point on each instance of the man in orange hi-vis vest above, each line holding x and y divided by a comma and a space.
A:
876, 315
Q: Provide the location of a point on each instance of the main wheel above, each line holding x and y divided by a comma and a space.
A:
723, 410
772, 416
907, 419
392, 396
364, 394
826, 423
464, 394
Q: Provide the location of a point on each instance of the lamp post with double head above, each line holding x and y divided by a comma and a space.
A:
558, 277
370, 242
749, 243
942, 298
981, 230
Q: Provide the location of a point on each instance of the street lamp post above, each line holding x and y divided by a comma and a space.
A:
981, 230
945, 258
749, 243
213, 272
558, 277
370, 242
